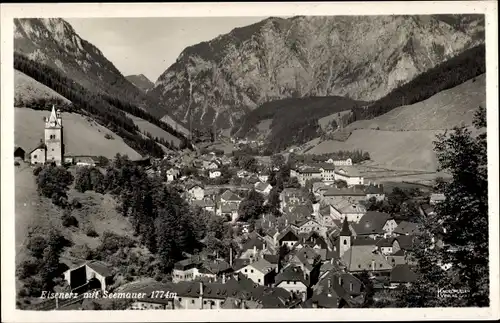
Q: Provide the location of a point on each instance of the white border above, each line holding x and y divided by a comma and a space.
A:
9, 11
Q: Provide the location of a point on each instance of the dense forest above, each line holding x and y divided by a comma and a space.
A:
105, 109
294, 120
451, 73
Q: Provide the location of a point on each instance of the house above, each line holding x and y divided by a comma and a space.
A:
292, 197
349, 174
375, 191
309, 261
340, 162
402, 275
86, 161
437, 198
253, 247
264, 176
329, 194
206, 204
309, 173
307, 226
211, 164
172, 174
39, 154
385, 245
365, 257
263, 188
229, 210
327, 172
230, 197
19, 152
375, 224
406, 228
341, 208
92, 274
261, 272
294, 280
350, 283
287, 237
404, 243
197, 267
195, 192
214, 173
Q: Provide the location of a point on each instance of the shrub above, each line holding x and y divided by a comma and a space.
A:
69, 220
29, 267
36, 245
91, 232
37, 170
75, 203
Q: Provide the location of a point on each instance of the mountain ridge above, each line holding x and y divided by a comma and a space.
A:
140, 81
223, 79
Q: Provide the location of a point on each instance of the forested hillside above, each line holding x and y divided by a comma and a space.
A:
295, 120
107, 110
451, 73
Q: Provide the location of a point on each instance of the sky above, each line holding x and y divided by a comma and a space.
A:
150, 45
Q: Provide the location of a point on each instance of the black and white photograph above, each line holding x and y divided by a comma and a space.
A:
320, 160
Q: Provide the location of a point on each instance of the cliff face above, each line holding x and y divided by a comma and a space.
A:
54, 42
362, 58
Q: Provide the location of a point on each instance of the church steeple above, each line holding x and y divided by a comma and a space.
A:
344, 238
345, 229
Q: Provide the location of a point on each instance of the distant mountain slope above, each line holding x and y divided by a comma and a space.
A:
141, 82
360, 57
54, 42
406, 134
444, 110
27, 89
82, 135
292, 121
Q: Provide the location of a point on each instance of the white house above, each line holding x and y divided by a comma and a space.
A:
261, 272
346, 162
196, 192
349, 174
88, 272
294, 280
214, 173
263, 188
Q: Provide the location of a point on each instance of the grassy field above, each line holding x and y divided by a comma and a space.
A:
444, 110
82, 135
403, 138
27, 89
154, 130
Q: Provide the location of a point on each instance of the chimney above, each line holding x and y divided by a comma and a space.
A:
373, 265
340, 280
223, 278
254, 251
331, 261
329, 283
201, 295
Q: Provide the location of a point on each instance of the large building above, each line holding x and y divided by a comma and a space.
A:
52, 149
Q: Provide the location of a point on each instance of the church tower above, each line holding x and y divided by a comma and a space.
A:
344, 238
54, 137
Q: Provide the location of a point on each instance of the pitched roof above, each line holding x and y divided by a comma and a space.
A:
310, 170
291, 273
374, 189
40, 145
349, 171
100, 268
230, 196
253, 242
229, 207
345, 229
288, 231
405, 242
261, 186
405, 228
359, 258
347, 206
263, 266
371, 223
402, 274
333, 191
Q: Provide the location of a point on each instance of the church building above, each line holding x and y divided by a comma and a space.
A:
52, 149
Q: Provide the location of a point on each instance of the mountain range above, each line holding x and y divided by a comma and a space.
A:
359, 57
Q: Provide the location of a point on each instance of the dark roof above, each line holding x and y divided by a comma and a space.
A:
100, 268
292, 273
364, 241
405, 227
253, 242
402, 274
374, 189
333, 191
288, 233
345, 228
385, 242
405, 242
273, 259
371, 223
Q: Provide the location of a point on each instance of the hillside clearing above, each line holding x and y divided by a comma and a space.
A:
27, 89
82, 135
443, 110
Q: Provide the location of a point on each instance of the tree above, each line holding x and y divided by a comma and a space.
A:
461, 221
82, 180
273, 200
368, 289
277, 160
54, 182
252, 206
